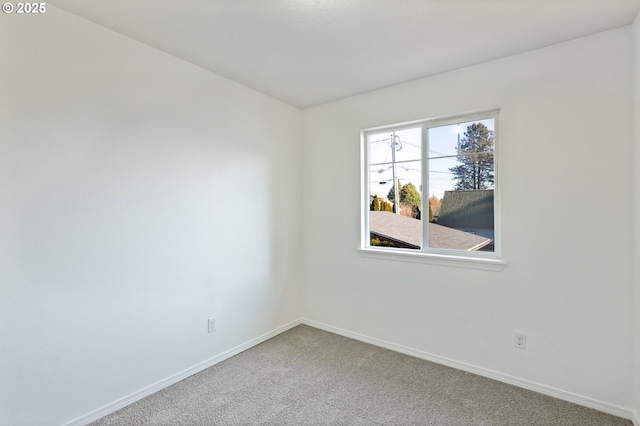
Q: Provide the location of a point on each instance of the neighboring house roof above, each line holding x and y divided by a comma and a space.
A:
467, 209
408, 230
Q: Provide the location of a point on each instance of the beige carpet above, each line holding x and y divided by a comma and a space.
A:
306, 376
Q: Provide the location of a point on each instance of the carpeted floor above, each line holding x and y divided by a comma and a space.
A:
306, 376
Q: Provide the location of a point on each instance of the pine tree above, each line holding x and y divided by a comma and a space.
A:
476, 158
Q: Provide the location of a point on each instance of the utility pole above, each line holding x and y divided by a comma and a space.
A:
394, 144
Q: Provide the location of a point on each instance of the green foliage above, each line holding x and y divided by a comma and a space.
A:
378, 204
476, 168
379, 242
409, 195
375, 204
391, 196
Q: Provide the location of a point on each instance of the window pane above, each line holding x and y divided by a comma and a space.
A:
461, 186
395, 224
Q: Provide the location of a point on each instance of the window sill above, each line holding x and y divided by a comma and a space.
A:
483, 263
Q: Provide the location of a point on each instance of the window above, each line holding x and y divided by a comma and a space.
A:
429, 190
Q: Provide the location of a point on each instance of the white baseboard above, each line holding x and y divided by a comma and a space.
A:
151, 389
546, 390
526, 384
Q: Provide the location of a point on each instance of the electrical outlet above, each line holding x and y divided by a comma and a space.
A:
211, 324
520, 340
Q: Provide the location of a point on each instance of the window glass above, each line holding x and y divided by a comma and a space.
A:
395, 194
461, 183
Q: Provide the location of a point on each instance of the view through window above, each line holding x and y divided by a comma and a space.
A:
430, 186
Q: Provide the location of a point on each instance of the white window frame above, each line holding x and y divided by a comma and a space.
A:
447, 257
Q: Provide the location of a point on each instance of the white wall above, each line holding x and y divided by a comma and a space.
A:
140, 195
636, 123
567, 172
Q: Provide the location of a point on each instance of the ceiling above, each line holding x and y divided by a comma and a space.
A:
308, 52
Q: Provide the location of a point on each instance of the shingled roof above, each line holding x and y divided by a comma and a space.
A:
467, 209
407, 232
